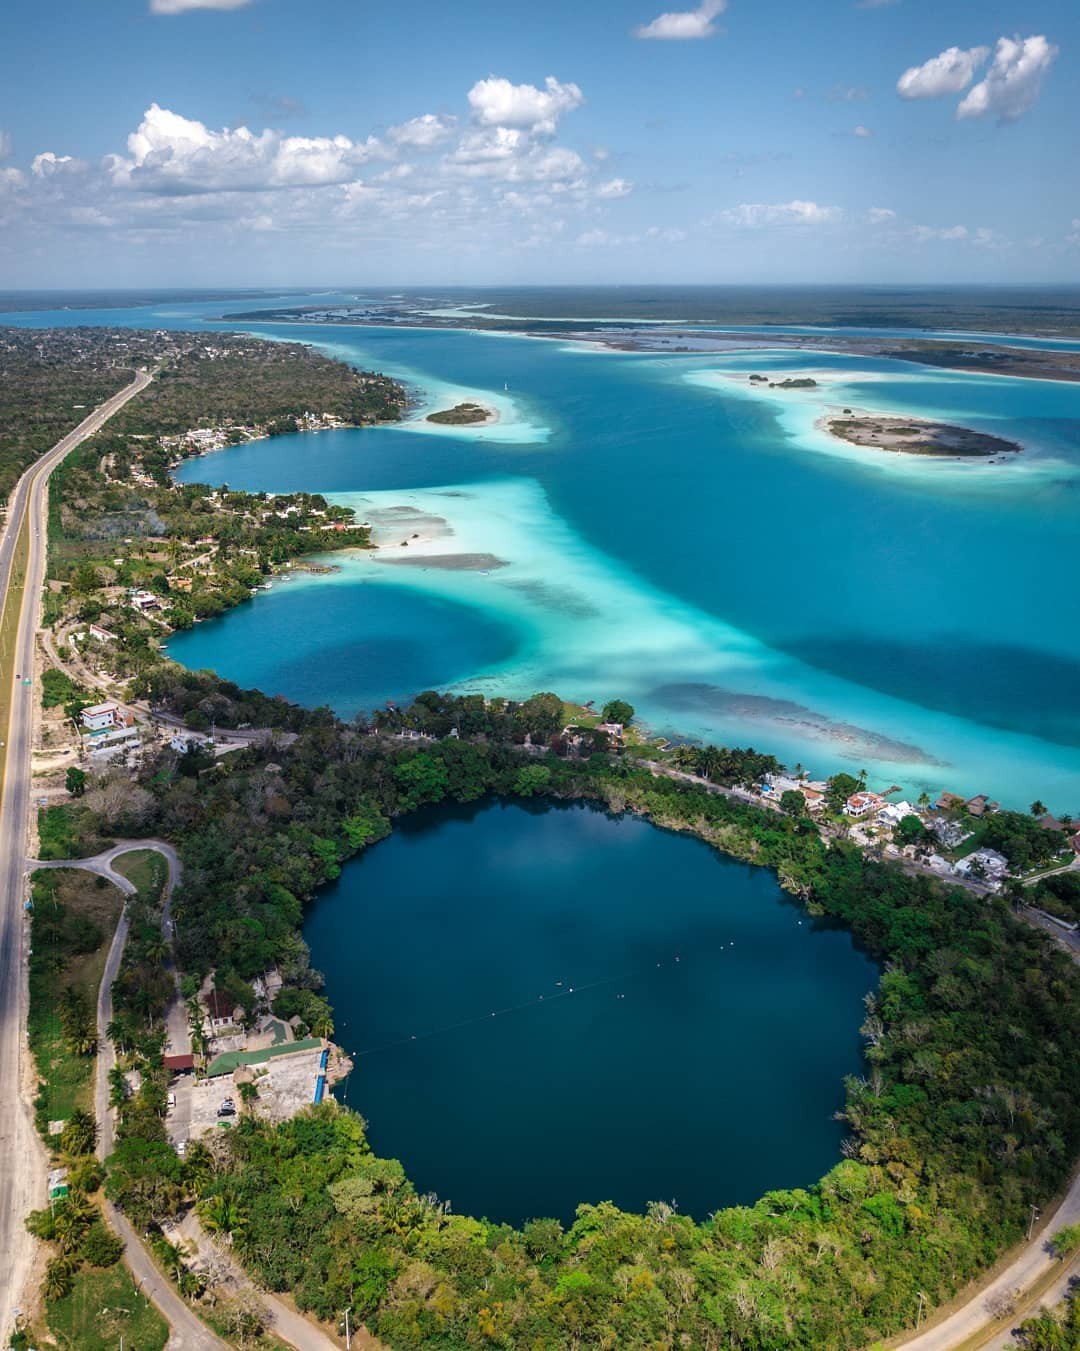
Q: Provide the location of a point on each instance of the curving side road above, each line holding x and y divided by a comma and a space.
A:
188, 1332
22, 1188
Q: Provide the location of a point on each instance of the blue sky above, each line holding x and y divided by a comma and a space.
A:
252, 142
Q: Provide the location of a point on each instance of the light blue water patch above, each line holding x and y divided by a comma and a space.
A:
707, 552
350, 647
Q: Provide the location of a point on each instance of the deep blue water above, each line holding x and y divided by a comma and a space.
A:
699, 1057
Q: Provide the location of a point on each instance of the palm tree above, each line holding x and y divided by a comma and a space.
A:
119, 1034
59, 1278
1038, 808
221, 1215
79, 1135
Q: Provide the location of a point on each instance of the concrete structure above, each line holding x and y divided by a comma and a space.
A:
894, 812
983, 864
98, 717
862, 804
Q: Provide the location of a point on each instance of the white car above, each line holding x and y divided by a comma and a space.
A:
170, 1101
181, 1148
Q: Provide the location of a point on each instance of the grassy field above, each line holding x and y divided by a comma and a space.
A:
147, 870
73, 923
9, 624
61, 834
102, 1308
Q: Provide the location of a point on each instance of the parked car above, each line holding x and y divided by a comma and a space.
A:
181, 1148
170, 1101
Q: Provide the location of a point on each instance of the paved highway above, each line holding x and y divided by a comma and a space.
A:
22, 1171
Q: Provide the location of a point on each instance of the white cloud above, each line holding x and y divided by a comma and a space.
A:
1014, 81
5, 143
170, 154
862, 132
47, 164
666, 234
879, 215
614, 188
985, 238
498, 103
421, 133
182, 6
947, 73
507, 154
594, 239
685, 25
758, 214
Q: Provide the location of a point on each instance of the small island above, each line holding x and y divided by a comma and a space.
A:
796, 382
913, 436
464, 415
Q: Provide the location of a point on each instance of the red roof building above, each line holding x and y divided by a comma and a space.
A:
178, 1064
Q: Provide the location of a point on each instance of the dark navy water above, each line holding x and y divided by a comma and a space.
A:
699, 1057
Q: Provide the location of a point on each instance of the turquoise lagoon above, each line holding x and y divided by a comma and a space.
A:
657, 530
540, 1018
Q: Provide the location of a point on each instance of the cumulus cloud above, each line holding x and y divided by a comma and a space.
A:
507, 154
433, 181
1013, 83
182, 6
170, 154
421, 133
685, 25
758, 214
879, 215
47, 164
862, 132
947, 73
498, 103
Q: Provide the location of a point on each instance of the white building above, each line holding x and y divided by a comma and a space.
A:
894, 812
859, 805
985, 865
99, 717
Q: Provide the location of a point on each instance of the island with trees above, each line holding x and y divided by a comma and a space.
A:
464, 415
917, 436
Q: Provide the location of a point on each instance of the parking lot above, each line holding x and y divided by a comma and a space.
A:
285, 1085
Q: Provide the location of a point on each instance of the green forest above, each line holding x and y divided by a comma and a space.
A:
967, 1114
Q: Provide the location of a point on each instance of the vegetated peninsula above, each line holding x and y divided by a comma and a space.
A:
464, 415
916, 436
